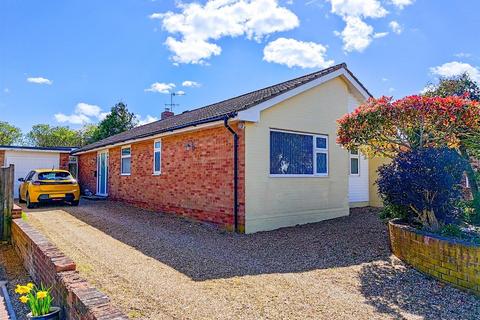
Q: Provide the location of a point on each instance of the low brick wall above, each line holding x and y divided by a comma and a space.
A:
48, 265
454, 262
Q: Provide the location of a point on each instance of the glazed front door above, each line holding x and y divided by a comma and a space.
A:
102, 173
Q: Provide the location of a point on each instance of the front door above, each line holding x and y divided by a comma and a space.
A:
102, 173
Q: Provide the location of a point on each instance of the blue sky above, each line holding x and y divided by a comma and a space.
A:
68, 62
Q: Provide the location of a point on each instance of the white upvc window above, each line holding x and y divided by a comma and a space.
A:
354, 163
126, 161
157, 157
298, 154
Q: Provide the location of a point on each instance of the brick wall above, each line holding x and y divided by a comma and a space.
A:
456, 263
64, 159
195, 182
2, 158
87, 167
47, 265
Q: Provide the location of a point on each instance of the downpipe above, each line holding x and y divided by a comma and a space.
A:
235, 171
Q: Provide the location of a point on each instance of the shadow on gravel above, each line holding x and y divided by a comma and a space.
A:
395, 289
204, 252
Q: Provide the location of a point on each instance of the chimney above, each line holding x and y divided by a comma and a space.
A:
166, 114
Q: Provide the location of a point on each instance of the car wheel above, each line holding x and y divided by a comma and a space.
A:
20, 197
30, 205
75, 203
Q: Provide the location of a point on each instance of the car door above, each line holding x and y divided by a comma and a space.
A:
24, 185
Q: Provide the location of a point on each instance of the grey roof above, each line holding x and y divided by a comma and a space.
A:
213, 112
59, 149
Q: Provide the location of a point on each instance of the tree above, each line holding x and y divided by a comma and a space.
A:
426, 183
460, 86
44, 135
9, 134
87, 134
117, 121
384, 128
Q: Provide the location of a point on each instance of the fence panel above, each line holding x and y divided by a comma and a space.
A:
6, 201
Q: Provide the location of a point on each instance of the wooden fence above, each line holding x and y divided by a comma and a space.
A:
6, 201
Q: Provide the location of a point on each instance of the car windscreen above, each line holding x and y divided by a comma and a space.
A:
54, 176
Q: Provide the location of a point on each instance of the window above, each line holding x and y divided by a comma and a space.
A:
354, 162
30, 176
54, 175
157, 157
126, 161
298, 154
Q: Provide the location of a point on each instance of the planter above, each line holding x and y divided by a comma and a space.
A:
53, 315
452, 261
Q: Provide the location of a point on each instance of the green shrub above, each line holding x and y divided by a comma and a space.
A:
393, 211
451, 230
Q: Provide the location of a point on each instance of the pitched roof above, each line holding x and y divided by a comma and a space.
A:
214, 112
29, 148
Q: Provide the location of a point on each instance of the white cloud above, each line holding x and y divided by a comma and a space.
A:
463, 55
90, 110
39, 80
402, 3
82, 114
161, 87
73, 118
379, 35
294, 53
191, 84
180, 93
156, 16
6, 90
455, 68
395, 27
357, 35
199, 24
391, 89
358, 8
147, 119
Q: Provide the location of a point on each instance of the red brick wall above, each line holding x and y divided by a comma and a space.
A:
194, 183
48, 265
64, 159
87, 166
2, 158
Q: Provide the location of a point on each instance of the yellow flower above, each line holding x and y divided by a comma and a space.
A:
22, 289
30, 285
23, 299
42, 294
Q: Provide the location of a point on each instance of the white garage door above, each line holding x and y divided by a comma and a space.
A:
26, 161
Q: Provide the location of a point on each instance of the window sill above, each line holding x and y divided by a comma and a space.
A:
125, 174
157, 174
298, 176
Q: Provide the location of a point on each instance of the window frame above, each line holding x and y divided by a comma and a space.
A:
315, 151
155, 150
122, 156
353, 156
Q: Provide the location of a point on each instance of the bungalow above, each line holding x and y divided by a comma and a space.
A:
260, 161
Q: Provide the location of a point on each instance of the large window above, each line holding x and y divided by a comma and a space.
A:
157, 157
126, 161
298, 154
354, 163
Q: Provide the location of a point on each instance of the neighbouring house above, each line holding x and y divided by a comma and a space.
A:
260, 161
27, 159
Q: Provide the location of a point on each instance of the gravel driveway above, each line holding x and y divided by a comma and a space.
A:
156, 266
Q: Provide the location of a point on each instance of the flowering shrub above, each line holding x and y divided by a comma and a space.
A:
38, 300
382, 127
426, 182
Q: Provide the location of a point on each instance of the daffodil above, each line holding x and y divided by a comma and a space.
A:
42, 294
30, 285
19, 289
23, 299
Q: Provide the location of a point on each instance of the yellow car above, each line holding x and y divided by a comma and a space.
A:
47, 185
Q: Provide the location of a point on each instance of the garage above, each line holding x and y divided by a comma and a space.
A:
26, 159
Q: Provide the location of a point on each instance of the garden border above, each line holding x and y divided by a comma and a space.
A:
48, 265
452, 261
